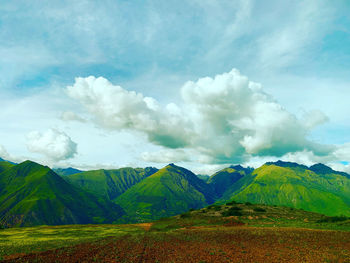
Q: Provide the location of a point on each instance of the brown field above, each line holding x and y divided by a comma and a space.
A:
207, 244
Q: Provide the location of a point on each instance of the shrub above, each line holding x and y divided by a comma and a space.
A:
185, 215
248, 203
214, 207
332, 219
259, 209
233, 211
191, 210
231, 203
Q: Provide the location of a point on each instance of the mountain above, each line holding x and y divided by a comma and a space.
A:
170, 191
225, 181
323, 169
109, 183
32, 194
4, 165
318, 188
66, 171
203, 177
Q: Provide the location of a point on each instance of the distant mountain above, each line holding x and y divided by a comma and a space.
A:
318, 188
170, 191
109, 183
4, 165
3, 160
226, 180
324, 169
32, 194
203, 177
66, 171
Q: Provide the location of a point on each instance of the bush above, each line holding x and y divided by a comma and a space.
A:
185, 215
259, 209
191, 210
333, 219
214, 207
248, 203
231, 203
233, 211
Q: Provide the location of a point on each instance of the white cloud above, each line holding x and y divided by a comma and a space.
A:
71, 116
53, 144
3, 152
223, 119
166, 156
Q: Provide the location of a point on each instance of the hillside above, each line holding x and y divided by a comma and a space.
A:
66, 171
32, 194
170, 191
109, 183
5, 166
226, 180
298, 186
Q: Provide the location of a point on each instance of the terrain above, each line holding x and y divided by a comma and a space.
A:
32, 194
218, 233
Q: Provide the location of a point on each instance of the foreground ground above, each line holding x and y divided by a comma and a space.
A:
255, 234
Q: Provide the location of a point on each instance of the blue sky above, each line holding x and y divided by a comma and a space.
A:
297, 50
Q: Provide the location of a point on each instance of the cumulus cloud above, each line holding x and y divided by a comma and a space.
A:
71, 116
3, 152
224, 119
116, 108
54, 144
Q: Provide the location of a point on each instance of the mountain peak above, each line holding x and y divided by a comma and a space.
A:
287, 164
321, 168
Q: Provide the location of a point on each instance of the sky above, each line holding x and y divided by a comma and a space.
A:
203, 84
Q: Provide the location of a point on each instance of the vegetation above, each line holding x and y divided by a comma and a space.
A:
170, 191
109, 183
32, 194
279, 234
297, 186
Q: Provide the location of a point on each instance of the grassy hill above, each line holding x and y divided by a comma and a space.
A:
5, 166
109, 183
225, 180
298, 186
170, 191
66, 171
32, 194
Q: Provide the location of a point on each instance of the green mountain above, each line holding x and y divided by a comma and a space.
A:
203, 177
170, 191
32, 194
318, 188
109, 183
226, 180
4, 165
66, 171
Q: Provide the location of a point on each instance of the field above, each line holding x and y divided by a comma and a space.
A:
255, 234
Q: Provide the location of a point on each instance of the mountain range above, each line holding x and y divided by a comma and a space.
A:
33, 194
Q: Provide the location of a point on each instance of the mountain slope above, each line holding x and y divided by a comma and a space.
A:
66, 171
110, 183
170, 191
225, 180
298, 186
32, 194
4, 165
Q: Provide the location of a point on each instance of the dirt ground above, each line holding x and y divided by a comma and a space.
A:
223, 244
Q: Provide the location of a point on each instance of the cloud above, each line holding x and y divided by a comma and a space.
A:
116, 108
3, 152
224, 119
54, 144
71, 116
166, 156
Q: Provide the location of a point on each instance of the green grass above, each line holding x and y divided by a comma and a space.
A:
42, 238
